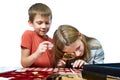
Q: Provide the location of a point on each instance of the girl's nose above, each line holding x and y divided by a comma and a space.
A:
77, 53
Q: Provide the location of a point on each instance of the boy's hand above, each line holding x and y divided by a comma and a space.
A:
44, 46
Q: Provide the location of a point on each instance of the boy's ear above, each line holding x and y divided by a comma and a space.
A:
30, 23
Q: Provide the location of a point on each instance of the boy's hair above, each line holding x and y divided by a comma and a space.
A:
39, 8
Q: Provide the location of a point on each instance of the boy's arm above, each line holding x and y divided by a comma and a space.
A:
27, 59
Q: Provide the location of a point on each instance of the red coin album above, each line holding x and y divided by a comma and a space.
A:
37, 73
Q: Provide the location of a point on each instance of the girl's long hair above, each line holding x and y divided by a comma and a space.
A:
64, 36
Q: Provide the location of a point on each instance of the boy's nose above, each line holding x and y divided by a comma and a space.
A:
44, 25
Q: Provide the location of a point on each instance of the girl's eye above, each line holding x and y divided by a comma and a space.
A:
78, 48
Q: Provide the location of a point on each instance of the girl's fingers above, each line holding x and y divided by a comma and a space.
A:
78, 63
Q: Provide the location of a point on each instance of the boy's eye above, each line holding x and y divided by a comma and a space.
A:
47, 22
43, 22
39, 23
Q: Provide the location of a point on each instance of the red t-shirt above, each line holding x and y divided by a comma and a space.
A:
31, 41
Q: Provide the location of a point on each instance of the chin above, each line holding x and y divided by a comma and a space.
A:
42, 34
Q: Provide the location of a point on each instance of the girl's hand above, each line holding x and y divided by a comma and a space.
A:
78, 63
61, 63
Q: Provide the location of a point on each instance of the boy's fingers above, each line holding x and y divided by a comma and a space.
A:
47, 42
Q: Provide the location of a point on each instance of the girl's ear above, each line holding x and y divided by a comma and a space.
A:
80, 35
30, 23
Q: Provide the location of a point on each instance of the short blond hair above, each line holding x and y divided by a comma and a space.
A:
39, 8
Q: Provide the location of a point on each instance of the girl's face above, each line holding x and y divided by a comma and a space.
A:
77, 47
41, 24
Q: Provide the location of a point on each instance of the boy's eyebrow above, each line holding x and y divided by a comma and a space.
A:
45, 21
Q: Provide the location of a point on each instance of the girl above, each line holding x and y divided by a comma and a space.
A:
74, 49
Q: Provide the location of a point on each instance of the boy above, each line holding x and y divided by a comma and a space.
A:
36, 45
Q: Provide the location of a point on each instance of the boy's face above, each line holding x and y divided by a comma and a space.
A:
41, 24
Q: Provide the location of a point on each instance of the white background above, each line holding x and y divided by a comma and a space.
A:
95, 18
